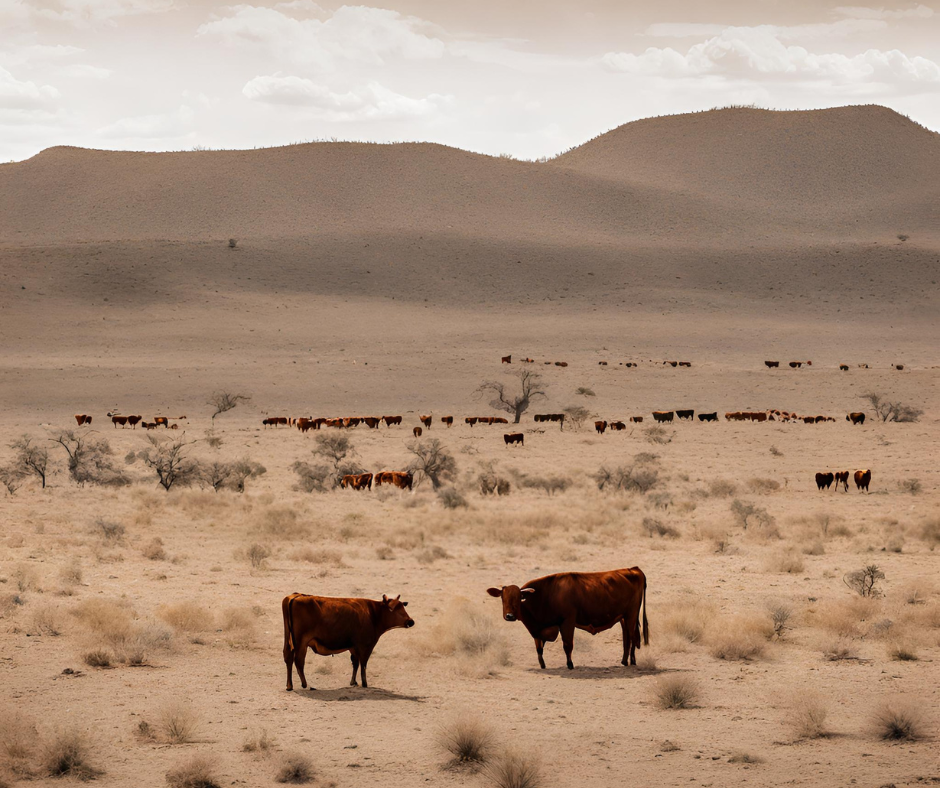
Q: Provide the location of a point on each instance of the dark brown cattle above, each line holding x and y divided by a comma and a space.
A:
772, 364
174, 426
528, 361
149, 425
862, 480
561, 363
671, 363
636, 419
332, 625
708, 417
161, 421
448, 420
390, 420
590, 601
357, 481
417, 432
134, 421
844, 367
507, 359
863, 366
842, 477
685, 363
686, 415
824, 480
471, 420
401, 479
115, 420
81, 418
602, 363
630, 364
899, 367
796, 364
499, 420
856, 418
617, 425
600, 426
372, 422
426, 420
663, 415
514, 437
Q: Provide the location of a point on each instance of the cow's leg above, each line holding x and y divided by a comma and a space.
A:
363, 659
627, 642
567, 639
539, 648
300, 656
289, 660
355, 666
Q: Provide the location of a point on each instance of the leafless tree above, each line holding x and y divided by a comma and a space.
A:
32, 460
892, 411
224, 401
11, 478
433, 460
577, 414
337, 450
89, 458
168, 458
221, 475
530, 388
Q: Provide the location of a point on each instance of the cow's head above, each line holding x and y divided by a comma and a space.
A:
513, 598
394, 614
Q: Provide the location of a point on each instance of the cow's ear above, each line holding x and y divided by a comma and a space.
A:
494, 591
404, 604
527, 591
384, 599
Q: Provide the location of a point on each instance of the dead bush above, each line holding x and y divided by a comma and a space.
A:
780, 615
641, 476
763, 486
239, 627
431, 554
864, 582
911, 486
318, 555
90, 459
97, 658
892, 411
687, 619
548, 484
467, 739
177, 722
807, 715
109, 531
197, 771
153, 550
18, 740
514, 770
745, 757
295, 769
788, 561
654, 527
187, 617
722, 488
741, 637
676, 692
30, 458
67, 753
747, 513
169, 459
258, 741
433, 461
451, 498
47, 620
257, 555
467, 631
898, 719
282, 522
314, 477
657, 435
230, 475
903, 651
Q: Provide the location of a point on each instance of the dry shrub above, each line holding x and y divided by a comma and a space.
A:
740, 637
903, 651
718, 535
763, 486
745, 757
239, 627
70, 575
930, 531
523, 529
918, 591
18, 739
468, 632
294, 768
514, 770
111, 626
257, 555
837, 649
654, 527
187, 617
807, 716
108, 530
722, 488
646, 661
258, 741
67, 753
177, 723
687, 619
47, 620
780, 615
467, 739
431, 554
153, 550
197, 771
788, 561
97, 658
451, 498
898, 719
676, 692
319, 555
849, 618
282, 522
26, 578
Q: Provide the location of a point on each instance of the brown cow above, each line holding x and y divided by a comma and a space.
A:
507, 359
514, 437
401, 479
600, 426
390, 420
617, 425
844, 367
708, 417
772, 364
899, 367
856, 418
448, 420
425, 420
685, 363
636, 419
796, 364
161, 420
602, 363
174, 426
357, 481
417, 432
671, 363
332, 625
686, 415
824, 480
82, 419
842, 477
862, 479
471, 420
663, 415
590, 601
372, 422
561, 363
115, 420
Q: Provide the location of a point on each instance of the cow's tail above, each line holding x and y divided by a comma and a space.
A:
646, 626
288, 623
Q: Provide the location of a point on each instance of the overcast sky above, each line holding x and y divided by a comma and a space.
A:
526, 77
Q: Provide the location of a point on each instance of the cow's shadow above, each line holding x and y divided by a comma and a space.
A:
597, 672
351, 694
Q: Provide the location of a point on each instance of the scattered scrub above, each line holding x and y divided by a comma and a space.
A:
514, 770
177, 723
197, 771
153, 550
807, 716
676, 692
898, 720
467, 739
888, 410
864, 582
741, 637
259, 742
451, 498
295, 769
747, 513
67, 753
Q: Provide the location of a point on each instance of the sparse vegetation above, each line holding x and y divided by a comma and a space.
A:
169, 459
677, 691
548, 484
220, 475
432, 461
807, 715
467, 739
898, 719
576, 414
888, 410
657, 435
197, 771
295, 769
109, 531
911, 486
67, 753
747, 513
258, 742
530, 389
177, 722
258, 555
642, 476
224, 401
90, 459
585, 392
335, 451
451, 498
30, 458
514, 770
740, 637
864, 582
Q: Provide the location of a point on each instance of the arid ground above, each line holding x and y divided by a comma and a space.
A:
143, 627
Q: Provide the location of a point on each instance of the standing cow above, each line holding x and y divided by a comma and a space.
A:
332, 625
590, 601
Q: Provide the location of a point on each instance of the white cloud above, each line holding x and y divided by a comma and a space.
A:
86, 71
24, 95
352, 33
90, 13
165, 126
759, 51
371, 102
860, 12
682, 30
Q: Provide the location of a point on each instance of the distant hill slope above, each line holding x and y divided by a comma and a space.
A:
723, 178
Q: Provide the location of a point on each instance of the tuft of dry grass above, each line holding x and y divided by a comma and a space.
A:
763, 486
740, 637
318, 556
239, 626
836, 649
109, 531
467, 631
67, 753
295, 769
903, 651
676, 691
807, 716
154, 550
47, 620
187, 617
467, 739
722, 488
98, 658
514, 770
282, 522
257, 555
746, 758
259, 742
110, 625
898, 719
687, 619
177, 723
18, 737
197, 771
788, 561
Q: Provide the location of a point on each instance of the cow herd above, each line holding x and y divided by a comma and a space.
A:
403, 480
548, 607
824, 480
83, 419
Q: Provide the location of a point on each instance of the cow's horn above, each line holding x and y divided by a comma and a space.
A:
527, 591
